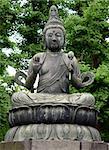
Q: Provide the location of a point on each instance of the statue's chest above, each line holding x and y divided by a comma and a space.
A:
52, 64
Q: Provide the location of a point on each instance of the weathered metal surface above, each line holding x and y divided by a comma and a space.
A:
52, 131
53, 113
53, 145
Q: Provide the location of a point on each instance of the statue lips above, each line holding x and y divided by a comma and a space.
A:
54, 44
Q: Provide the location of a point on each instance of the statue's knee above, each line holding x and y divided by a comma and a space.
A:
89, 98
16, 96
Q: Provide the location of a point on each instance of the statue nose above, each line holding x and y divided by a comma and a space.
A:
54, 38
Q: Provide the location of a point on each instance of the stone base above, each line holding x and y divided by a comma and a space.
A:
53, 145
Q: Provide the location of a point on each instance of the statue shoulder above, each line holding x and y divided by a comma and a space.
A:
69, 55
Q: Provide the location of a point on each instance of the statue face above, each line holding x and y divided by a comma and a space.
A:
54, 38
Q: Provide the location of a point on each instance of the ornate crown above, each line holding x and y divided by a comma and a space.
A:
54, 20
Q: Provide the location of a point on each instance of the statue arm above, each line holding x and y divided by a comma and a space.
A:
33, 70
31, 77
79, 79
75, 74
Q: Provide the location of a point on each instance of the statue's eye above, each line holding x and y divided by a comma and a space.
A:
58, 34
50, 35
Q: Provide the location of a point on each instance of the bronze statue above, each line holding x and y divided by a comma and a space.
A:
51, 112
54, 67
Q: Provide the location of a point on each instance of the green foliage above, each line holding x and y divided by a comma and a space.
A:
87, 32
102, 98
102, 74
7, 17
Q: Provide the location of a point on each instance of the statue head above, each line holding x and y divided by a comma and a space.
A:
54, 32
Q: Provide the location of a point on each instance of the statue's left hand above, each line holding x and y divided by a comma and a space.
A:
83, 80
18, 77
87, 78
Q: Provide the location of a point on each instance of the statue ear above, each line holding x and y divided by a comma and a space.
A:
45, 46
44, 42
64, 45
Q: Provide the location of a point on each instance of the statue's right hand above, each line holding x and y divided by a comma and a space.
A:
36, 65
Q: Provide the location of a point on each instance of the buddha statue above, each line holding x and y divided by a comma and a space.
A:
52, 113
54, 68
